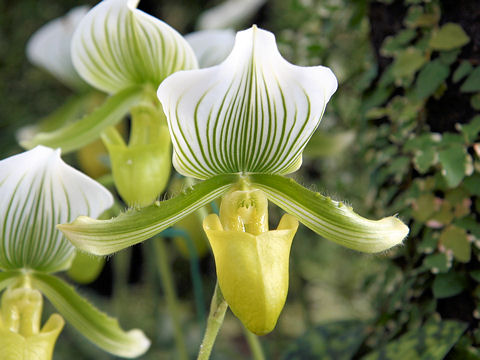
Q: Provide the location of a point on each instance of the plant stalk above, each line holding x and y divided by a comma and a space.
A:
218, 307
254, 344
166, 276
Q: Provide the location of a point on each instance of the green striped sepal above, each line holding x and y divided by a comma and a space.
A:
253, 113
117, 46
39, 191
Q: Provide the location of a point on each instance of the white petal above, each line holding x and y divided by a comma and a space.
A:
39, 191
253, 113
49, 47
229, 14
117, 45
211, 46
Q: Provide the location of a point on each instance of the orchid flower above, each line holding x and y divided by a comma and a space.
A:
241, 126
126, 53
38, 191
49, 49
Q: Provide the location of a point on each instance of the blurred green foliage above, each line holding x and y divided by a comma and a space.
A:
405, 123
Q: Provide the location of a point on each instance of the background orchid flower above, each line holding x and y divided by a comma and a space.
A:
229, 14
211, 47
49, 48
38, 191
127, 53
240, 126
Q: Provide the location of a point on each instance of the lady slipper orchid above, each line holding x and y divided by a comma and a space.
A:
38, 191
240, 126
127, 53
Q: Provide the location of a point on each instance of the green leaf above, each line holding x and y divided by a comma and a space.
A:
75, 135
463, 70
331, 219
475, 274
95, 325
117, 46
423, 160
428, 244
103, 237
449, 57
430, 78
472, 83
408, 62
470, 224
449, 37
432, 341
471, 130
38, 191
472, 183
447, 285
475, 101
333, 341
437, 263
424, 207
323, 144
393, 44
455, 239
454, 163
253, 113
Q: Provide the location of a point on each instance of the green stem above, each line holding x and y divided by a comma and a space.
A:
166, 276
254, 344
121, 268
218, 307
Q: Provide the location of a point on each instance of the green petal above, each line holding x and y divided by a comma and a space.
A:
331, 219
75, 107
253, 113
49, 47
95, 325
103, 237
38, 191
75, 135
117, 46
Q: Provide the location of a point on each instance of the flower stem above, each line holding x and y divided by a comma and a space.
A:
170, 295
218, 307
254, 344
